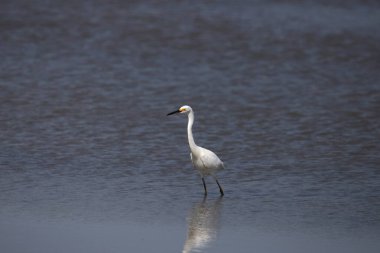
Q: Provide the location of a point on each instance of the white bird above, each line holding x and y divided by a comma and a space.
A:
205, 161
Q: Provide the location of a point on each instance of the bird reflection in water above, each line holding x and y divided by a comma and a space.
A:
203, 225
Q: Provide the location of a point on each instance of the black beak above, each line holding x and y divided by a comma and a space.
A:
177, 111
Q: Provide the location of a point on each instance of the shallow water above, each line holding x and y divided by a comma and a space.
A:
286, 93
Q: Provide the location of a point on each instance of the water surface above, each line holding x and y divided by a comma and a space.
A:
286, 93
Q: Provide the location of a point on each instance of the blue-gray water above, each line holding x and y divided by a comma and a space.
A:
287, 93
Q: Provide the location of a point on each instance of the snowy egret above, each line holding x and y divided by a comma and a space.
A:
205, 161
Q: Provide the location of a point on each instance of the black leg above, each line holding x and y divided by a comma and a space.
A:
220, 188
204, 185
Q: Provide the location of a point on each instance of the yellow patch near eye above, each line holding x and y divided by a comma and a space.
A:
182, 109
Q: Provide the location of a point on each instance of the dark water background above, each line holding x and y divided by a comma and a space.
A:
287, 93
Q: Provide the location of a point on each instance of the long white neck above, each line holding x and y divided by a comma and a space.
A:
192, 144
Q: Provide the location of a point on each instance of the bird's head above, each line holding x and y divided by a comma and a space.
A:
183, 109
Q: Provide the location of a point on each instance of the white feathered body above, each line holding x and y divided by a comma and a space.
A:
206, 161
